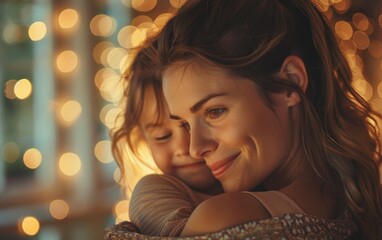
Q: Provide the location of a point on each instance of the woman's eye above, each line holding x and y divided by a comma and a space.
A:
164, 137
215, 113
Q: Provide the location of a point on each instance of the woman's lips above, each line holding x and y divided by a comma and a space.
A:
220, 167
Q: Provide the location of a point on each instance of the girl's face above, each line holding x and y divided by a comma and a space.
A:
243, 141
169, 145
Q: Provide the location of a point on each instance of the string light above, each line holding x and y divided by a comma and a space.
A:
68, 18
37, 31
67, 61
23, 89
70, 111
11, 152
143, 5
59, 209
29, 225
69, 164
343, 30
102, 151
102, 25
32, 158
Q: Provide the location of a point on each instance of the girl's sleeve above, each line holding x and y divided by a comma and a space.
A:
161, 205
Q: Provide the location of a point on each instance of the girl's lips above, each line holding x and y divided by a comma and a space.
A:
192, 165
220, 167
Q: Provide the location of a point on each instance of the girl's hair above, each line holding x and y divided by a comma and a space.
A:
128, 143
338, 133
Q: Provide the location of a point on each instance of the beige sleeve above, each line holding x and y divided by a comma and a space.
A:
161, 205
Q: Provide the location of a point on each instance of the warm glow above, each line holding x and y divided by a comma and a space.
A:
364, 88
162, 19
117, 176
375, 49
380, 20
32, 158
37, 31
379, 89
70, 164
361, 40
23, 88
102, 151
70, 111
341, 6
111, 88
103, 25
111, 117
11, 152
102, 75
143, 5
99, 49
360, 21
140, 20
67, 61
130, 37
68, 18
343, 30
13, 33
177, 3
59, 209
348, 47
9, 89
30, 225
121, 211
115, 57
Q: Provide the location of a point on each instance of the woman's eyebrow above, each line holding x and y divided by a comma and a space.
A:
198, 105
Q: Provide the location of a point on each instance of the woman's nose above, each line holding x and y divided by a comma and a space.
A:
182, 143
201, 141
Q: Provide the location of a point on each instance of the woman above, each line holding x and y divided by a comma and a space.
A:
267, 97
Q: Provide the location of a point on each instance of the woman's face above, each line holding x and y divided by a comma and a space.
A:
169, 145
243, 141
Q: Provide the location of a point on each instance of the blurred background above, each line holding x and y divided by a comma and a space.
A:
60, 66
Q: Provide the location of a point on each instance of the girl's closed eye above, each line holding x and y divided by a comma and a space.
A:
215, 113
163, 137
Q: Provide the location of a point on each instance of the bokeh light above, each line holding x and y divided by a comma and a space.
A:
343, 30
341, 6
130, 37
177, 3
143, 5
9, 89
32, 158
375, 48
68, 18
67, 61
360, 21
37, 31
361, 39
102, 151
99, 49
121, 210
379, 89
364, 88
11, 152
115, 56
23, 89
30, 225
70, 111
13, 33
59, 209
102, 25
69, 164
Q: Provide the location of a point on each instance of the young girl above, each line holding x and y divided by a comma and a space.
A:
160, 204
267, 97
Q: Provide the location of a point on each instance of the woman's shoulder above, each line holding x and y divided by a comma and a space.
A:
223, 211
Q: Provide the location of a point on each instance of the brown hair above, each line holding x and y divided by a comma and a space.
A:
127, 138
251, 39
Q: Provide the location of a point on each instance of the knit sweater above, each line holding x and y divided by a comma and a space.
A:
161, 205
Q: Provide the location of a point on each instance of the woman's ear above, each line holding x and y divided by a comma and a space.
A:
293, 69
